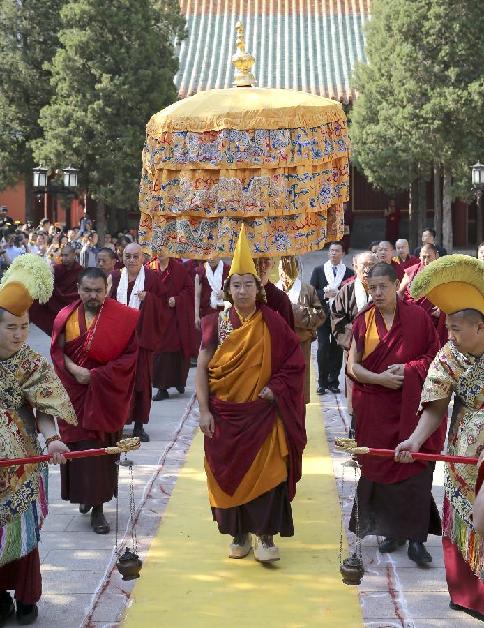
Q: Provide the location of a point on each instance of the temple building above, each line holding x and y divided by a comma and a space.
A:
309, 45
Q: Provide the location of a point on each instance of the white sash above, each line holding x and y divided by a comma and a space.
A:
214, 278
361, 296
334, 282
139, 286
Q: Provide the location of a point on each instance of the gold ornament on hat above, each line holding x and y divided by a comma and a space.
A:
452, 283
28, 278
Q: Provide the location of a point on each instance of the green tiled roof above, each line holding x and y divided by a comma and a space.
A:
310, 45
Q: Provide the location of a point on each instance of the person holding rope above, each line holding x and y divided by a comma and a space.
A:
32, 399
455, 284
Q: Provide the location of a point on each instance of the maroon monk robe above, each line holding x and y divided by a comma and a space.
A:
398, 269
410, 261
395, 500
385, 417
65, 292
241, 428
278, 301
149, 331
177, 346
109, 349
205, 307
438, 321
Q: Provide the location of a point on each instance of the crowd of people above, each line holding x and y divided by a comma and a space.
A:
123, 323
47, 240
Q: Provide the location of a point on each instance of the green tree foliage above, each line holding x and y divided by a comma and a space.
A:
28, 40
421, 94
113, 70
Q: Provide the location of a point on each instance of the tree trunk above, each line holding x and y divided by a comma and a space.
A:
101, 222
412, 213
438, 202
447, 235
421, 201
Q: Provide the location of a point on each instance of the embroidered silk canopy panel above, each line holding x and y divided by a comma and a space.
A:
275, 159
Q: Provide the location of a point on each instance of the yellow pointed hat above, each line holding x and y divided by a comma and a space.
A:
242, 263
452, 283
27, 278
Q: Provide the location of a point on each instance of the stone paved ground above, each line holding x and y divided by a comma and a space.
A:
81, 589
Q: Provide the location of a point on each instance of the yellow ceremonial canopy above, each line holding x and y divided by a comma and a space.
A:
275, 160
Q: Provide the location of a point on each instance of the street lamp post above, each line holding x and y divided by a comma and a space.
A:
478, 187
41, 181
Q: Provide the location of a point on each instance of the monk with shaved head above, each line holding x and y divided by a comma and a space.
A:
140, 288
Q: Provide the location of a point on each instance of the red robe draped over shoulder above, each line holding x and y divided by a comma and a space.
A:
385, 417
109, 349
410, 261
438, 321
241, 428
65, 292
149, 331
179, 321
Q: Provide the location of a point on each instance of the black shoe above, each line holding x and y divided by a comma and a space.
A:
334, 388
418, 553
139, 432
458, 607
389, 545
84, 508
161, 394
321, 390
26, 613
181, 390
98, 522
7, 607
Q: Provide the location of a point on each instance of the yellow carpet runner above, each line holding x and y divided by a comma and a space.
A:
188, 580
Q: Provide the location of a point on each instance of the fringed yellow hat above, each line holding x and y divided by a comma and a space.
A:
452, 283
27, 278
242, 263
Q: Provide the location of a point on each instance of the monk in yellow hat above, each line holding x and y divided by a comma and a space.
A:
455, 284
250, 385
28, 383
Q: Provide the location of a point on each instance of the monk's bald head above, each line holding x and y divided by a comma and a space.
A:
133, 258
68, 255
402, 248
364, 262
428, 253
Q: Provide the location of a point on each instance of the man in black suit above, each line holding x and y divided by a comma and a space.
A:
327, 280
428, 237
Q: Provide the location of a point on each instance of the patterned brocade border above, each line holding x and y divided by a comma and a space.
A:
269, 236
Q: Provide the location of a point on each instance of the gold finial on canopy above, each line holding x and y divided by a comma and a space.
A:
242, 60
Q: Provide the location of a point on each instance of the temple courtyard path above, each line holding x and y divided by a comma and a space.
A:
188, 580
